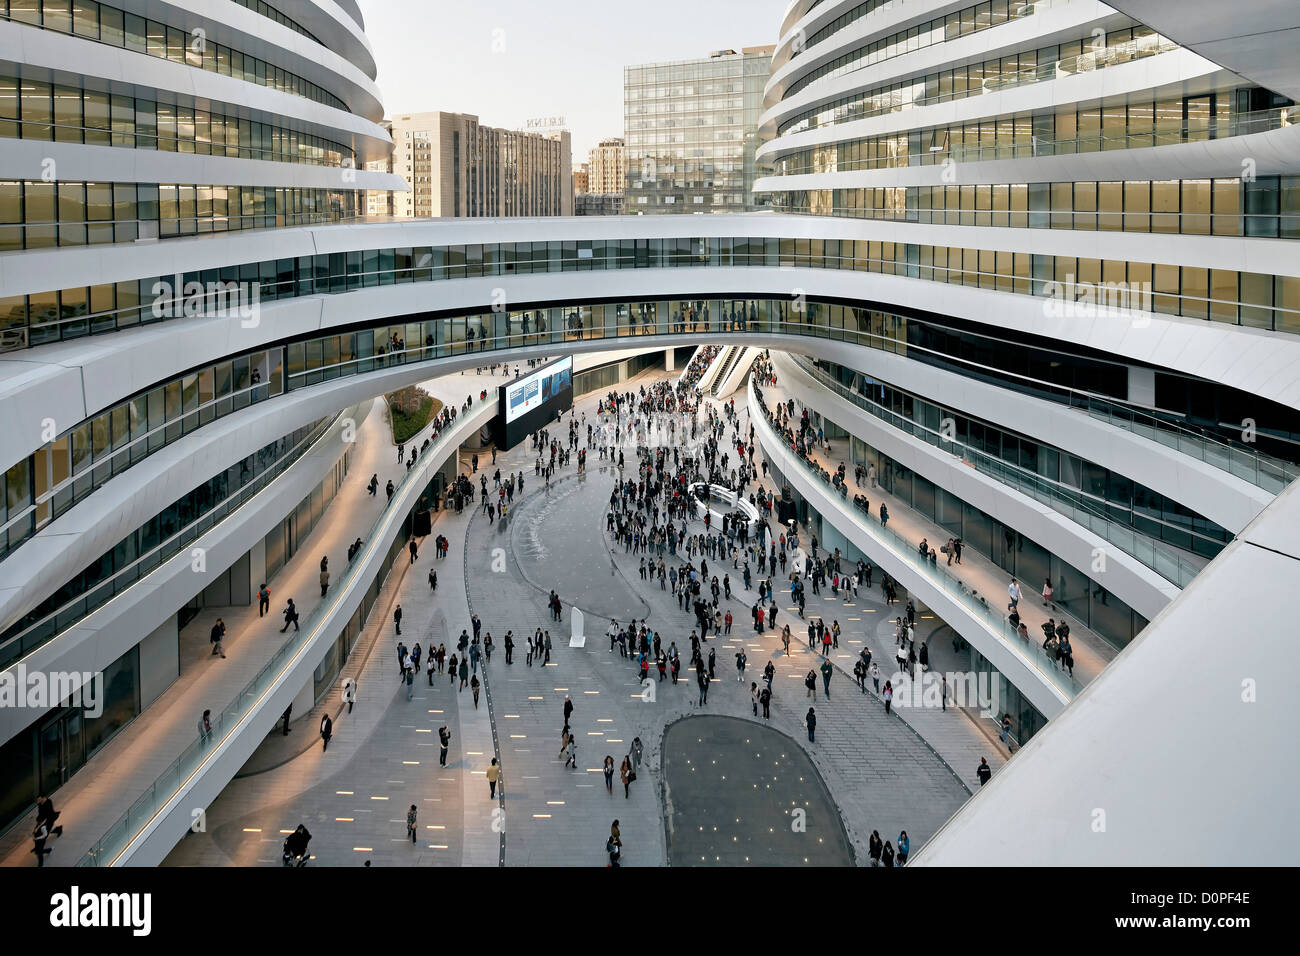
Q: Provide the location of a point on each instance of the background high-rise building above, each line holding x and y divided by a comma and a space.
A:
607, 167
603, 178
380, 202
459, 168
581, 178
692, 132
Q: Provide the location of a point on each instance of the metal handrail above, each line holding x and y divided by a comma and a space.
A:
106, 850
1029, 651
107, 589
1122, 536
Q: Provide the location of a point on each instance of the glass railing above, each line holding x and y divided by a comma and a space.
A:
1251, 225
118, 837
1264, 471
1127, 52
79, 608
1163, 559
1028, 145
910, 94
1029, 650
447, 338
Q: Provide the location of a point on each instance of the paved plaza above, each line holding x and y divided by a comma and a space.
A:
867, 770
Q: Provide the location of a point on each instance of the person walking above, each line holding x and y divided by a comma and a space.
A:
827, 669
414, 549
263, 600
568, 710
205, 728
324, 582
765, 698
218, 635
875, 676
811, 721
875, 846
637, 750
1005, 734
474, 686
45, 813
285, 717
888, 695
740, 665
40, 834
984, 771
614, 845
464, 673
397, 619
493, 775
290, 616
571, 760
444, 741
410, 822
326, 732
904, 847
408, 675
810, 682
609, 774
1013, 593
887, 855
627, 775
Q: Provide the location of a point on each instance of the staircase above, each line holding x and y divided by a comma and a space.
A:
726, 363
711, 373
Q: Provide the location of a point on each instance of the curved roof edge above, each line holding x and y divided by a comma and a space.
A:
1179, 754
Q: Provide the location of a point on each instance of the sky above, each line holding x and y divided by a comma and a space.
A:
508, 61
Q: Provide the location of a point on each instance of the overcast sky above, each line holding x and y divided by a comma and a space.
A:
507, 61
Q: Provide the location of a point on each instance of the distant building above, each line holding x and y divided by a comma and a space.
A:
380, 202
603, 177
459, 168
607, 165
598, 204
581, 178
692, 132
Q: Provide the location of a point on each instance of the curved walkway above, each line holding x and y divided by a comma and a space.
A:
1091, 652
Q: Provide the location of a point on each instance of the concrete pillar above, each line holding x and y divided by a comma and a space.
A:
256, 567
159, 661
669, 362
1141, 385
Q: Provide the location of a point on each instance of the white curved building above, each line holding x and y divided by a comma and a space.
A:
1033, 264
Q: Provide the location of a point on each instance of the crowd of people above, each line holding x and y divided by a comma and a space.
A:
699, 364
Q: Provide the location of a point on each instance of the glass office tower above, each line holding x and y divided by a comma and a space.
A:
691, 130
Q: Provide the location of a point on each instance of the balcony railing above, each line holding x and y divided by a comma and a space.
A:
1161, 558
128, 827
1030, 651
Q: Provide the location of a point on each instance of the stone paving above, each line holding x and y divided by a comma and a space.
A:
881, 773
